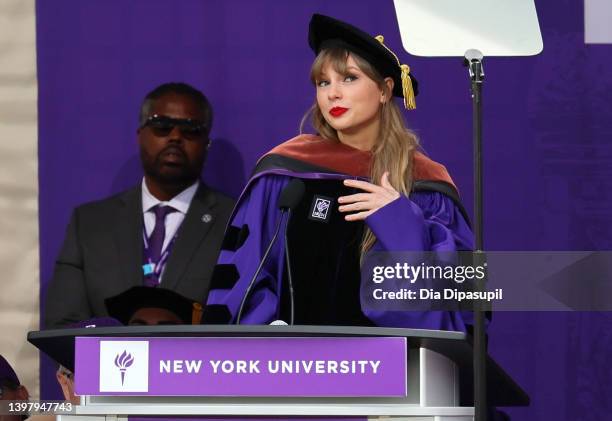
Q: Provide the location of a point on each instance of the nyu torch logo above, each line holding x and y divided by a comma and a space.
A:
123, 361
124, 366
320, 208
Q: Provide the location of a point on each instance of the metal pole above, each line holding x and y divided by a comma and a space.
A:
474, 61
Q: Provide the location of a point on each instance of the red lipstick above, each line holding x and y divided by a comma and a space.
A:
338, 111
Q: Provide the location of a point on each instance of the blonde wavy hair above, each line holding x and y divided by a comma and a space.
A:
393, 150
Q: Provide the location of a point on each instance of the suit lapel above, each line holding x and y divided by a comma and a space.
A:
191, 233
128, 236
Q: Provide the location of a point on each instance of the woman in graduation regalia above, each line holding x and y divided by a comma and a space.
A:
366, 188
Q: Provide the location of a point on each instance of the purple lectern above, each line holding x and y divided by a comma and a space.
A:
284, 372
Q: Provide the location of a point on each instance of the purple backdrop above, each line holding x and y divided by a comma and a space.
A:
547, 131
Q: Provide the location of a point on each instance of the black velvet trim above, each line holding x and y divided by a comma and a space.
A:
230, 238
243, 234
235, 237
275, 161
224, 276
216, 314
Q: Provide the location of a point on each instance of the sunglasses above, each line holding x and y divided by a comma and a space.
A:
162, 126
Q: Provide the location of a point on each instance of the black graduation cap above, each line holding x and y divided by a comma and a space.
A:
8, 377
326, 32
96, 322
123, 306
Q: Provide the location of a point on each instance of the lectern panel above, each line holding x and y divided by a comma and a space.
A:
242, 367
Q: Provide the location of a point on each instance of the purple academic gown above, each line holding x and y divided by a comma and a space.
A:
426, 221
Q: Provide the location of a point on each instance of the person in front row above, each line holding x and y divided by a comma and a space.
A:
138, 306
142, 306
166, 231
366, 188
11, 389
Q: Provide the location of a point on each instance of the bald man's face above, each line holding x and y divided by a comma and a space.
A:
151, 316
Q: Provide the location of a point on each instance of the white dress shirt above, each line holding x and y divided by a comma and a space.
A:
180, 202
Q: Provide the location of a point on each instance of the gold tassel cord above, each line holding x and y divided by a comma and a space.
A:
196, 314
407, 89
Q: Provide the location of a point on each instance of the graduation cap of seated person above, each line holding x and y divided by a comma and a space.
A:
8, 377
326, 32
96, 322
132, 306
10, 386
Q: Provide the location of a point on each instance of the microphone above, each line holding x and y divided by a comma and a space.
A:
293, 194
288, 199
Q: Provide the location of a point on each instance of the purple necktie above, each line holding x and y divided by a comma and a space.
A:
156, 240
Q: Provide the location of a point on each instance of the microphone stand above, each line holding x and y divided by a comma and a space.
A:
289, 275
259, 268
288, 199
473, 60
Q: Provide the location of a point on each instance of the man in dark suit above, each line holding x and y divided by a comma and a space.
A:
167, 231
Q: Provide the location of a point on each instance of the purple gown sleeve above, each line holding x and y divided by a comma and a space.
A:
255, 217
427, 221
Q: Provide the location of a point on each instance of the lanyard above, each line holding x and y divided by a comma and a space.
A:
151, 268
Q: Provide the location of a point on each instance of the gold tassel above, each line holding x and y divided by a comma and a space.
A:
407, 89
196, 314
